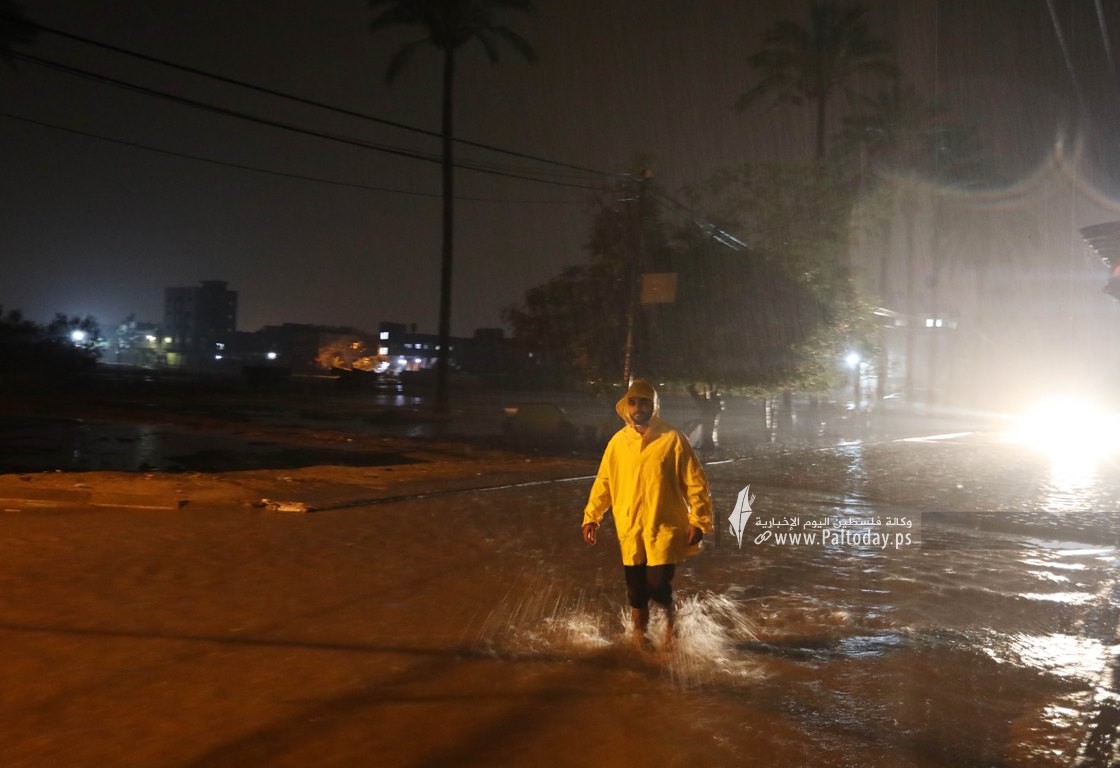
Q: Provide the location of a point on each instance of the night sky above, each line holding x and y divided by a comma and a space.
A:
89, 226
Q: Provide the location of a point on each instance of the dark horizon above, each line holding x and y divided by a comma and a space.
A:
95, 227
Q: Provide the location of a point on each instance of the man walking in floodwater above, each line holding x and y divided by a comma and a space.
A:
657, 492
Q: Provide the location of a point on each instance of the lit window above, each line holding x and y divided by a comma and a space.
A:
929, 322
384, 335
382, 350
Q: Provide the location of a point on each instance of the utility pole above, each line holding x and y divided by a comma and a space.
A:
637, 261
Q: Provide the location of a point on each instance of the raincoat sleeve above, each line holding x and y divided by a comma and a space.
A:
695, 485
599, 500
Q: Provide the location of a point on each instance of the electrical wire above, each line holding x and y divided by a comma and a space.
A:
228, 112
721, 236
273, 172
311, 102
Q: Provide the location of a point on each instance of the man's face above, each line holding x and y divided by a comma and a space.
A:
641, 410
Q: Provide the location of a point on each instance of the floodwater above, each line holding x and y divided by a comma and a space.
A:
988, 637
962, 611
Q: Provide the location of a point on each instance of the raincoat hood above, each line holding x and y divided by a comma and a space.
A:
653, 485
639, 388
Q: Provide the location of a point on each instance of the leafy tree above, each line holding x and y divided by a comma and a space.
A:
82, 333
14, 29
30, 349
771, 315
897, 131
578, 319
799, 64
786, 304
448, 25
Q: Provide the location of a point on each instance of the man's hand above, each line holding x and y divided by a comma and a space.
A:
695, 535
589, 530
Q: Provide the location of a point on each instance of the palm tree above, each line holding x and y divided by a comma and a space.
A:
903, 136
448, 25
799, 64
809, 64
14, 28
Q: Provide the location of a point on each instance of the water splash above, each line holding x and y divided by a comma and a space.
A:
538, 618
711, 632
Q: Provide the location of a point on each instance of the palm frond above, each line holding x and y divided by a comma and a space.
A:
401, 59
517, 42
484, 39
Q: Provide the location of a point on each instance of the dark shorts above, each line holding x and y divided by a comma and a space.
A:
649, 582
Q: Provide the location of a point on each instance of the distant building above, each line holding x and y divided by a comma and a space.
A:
136, 344
400, 348
306, 349
200, 321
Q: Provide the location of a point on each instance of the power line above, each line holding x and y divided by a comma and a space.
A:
227, 112
269, 171
310, 102
721, 236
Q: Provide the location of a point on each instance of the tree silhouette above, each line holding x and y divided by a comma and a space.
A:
923, 160
810, 64
447, 26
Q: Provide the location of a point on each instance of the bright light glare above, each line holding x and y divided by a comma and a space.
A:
77, 336
1071, 431
852, 359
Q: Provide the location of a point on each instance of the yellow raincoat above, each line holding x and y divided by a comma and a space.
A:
654, 486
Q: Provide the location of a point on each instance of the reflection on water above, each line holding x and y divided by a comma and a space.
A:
1070, 598
1068, 656
1070, 486
992, 642
1072, 475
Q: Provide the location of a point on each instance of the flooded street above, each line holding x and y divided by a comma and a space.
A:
475, 628
989, 639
